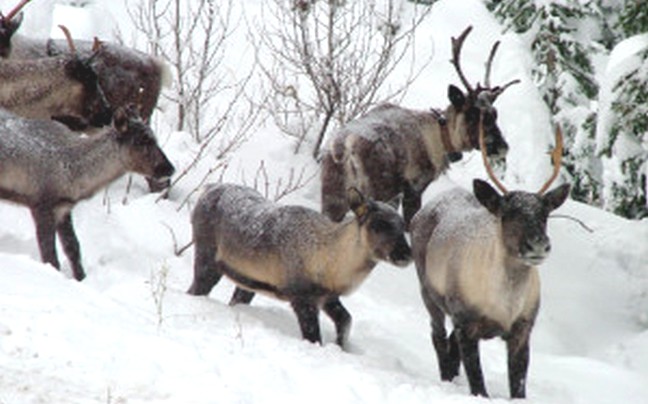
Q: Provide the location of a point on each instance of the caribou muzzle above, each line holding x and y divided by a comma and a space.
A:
534, 250
163, 171
401, 254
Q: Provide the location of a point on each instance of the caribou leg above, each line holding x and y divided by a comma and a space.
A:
206, 270
334, 198
46, 235
307, 315
446, 348
71, 247
518, 357
411, 203
469, 348
241, 296
341, 318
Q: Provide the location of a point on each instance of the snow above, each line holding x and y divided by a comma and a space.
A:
130, 334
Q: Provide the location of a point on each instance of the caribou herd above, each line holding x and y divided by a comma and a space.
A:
74, 117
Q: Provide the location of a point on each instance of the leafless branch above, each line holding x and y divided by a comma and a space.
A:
580, 222
178, 251
316, 79
283, 186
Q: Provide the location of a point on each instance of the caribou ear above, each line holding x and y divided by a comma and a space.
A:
14, 23
556, 197
120, 120
357, 203
457, 98
396, 201
487, 196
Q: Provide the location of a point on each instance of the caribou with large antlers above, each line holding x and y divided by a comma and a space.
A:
392, 150
476, 256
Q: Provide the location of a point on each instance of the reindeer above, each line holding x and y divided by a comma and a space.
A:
292, 253
476, 256
125, 75
64, 88
392, 150
48, 168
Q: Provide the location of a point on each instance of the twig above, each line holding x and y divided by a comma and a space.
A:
580, 222
178, 251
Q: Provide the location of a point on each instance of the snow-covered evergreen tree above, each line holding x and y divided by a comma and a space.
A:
564, 75
623, 130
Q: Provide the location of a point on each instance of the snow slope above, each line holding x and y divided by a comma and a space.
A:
130, 334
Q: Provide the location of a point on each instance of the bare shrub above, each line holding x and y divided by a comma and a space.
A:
208, 96
330, 60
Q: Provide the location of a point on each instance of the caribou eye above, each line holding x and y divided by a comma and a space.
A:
380, 226
472, 115
489, 118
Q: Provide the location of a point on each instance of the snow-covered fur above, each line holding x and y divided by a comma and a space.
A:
393, 150
48, 168
476, 258
291, 252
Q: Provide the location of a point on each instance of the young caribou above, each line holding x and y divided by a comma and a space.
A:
476, 256
291, 252
393, 150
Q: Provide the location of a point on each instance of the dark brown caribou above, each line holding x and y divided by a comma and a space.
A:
291, 252
125, 75
48, 168
64, 88
476, 256
393, 150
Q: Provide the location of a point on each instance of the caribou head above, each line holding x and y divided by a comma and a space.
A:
524, 214
476, 105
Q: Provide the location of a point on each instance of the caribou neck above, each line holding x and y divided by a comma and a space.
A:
352, 261
437, 137
98, 162
349, 236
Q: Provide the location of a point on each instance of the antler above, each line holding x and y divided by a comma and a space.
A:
495, 92
457, 44
489, 63
489, 169
70, 42
16, 10
556, 158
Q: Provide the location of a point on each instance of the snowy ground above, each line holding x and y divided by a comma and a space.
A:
130, 334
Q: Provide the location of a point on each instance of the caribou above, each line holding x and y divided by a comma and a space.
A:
48, 168
64, 88
476, 256
394, 150
292, 253
125, 75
